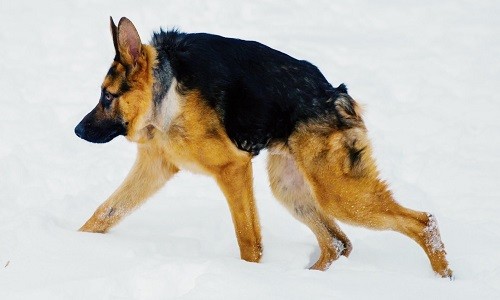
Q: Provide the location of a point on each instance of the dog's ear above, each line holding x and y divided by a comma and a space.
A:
129, 42
114, 34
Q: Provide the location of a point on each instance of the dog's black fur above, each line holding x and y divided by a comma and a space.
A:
260, 94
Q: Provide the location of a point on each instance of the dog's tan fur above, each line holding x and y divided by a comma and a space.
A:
197, 141
321, 175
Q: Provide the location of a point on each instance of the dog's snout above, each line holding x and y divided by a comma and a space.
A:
79, 130
96, 129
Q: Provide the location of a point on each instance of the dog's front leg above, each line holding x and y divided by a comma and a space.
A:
235, 181
149, 173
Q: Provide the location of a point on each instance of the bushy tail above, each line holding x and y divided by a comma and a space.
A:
347, 109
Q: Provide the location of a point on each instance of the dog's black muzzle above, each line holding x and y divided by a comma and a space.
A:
99, 130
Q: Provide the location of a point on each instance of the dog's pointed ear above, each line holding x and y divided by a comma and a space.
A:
114, 34
129, 42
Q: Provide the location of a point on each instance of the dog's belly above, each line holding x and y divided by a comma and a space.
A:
191, 166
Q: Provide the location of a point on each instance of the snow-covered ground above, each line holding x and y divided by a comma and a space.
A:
427, 72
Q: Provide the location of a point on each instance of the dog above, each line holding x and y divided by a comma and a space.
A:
209, 104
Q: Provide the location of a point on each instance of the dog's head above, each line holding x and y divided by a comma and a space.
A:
126, 94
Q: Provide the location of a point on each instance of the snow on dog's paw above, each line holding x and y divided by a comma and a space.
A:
448, 273
342, 248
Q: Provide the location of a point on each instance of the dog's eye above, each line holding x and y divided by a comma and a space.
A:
106, 98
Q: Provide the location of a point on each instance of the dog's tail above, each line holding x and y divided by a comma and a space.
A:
342, 88
348, 111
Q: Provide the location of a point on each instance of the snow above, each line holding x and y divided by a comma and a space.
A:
433, 238
426, 71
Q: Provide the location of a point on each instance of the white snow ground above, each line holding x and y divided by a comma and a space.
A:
427, 71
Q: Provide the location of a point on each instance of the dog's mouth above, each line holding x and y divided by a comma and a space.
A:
103, 133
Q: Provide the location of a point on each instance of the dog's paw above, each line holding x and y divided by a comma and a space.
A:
91, 230
95, 226
447, 273
343, 248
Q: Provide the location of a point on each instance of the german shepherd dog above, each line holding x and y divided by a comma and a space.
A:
209, 104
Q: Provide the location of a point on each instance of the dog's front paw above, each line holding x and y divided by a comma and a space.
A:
252, 253
92, 229
95, 225
102, 220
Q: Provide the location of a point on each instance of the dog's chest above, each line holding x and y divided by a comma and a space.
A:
196, 141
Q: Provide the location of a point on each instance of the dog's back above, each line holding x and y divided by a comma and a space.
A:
260, 93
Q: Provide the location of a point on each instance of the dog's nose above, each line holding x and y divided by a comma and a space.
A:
79, 130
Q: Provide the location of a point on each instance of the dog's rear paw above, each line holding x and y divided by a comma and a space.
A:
343, 248
447, 273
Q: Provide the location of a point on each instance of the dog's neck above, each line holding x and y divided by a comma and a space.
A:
163, 77
165, 106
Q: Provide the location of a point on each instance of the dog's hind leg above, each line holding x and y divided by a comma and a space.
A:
290, 188
336, 232
149, 173
344, 180
236, 182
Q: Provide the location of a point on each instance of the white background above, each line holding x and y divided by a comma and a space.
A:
426, 71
